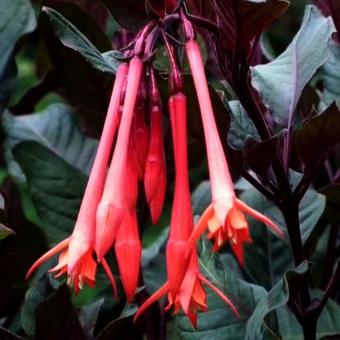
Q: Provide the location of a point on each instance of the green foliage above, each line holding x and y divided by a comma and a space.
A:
280, 82
56, 188
72, 38
10, 31
72, 55
57, 128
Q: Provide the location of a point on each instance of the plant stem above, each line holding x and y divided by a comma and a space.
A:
290, 210
309, 328
288, 204
255, 183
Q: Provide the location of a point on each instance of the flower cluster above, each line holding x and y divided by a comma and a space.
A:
108, 214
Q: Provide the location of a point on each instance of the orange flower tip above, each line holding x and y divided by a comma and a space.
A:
258, 216
201, 226
55, 250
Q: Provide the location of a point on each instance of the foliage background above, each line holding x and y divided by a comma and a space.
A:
54, 91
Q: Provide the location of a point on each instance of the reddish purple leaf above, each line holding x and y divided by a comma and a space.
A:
240, 21
318, 136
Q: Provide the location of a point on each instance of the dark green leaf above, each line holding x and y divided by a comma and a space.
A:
56, 318
87, 88
318, 136
201, 198
7, 82
88, 316
56, 188
72, 38
153, 263
10, 31
330, 76
35, 295
258, 324
268, 257
241, 126
57, 129
280, 82
121, 328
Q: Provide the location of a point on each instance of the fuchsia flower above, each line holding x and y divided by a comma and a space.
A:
184, 285
182, 217
114, 202
108, 213
76, 252
224, 217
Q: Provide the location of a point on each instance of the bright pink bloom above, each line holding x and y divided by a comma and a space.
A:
76, 258
114, 202
224, 218
128, 251
155, 167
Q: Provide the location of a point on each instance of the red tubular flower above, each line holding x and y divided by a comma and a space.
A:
76, 251
128, 251
182, 218
155, 167
224, 217
140, 138
184, 285
114, 202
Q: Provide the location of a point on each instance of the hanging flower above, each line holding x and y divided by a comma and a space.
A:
115, 200
76, 252
224, 217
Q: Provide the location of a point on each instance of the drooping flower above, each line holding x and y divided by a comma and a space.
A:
155, 165
184, 285
76, 252
224, 217
115, 201
181, 225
